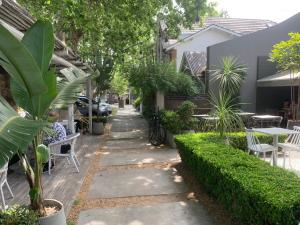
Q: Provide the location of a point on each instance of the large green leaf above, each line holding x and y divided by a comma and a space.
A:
21, 96
70, 87
36, 105
39, 40
16, 133
43, 102
20, 64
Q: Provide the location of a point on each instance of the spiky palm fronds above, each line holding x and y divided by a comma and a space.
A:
230, 75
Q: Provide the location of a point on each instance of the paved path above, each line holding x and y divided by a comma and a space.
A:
135, 183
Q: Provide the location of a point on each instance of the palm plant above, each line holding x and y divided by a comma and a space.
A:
230, 75
225, 110
37, 90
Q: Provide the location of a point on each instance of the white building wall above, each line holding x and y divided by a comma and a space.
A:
200, 42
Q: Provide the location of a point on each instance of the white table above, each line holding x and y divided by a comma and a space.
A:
245, 114
199, 116
275, 132
264, 118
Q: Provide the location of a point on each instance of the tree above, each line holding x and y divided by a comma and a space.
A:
36, 89
287, 53
90, 24
119, 84
287, 56
229, 76
225, 110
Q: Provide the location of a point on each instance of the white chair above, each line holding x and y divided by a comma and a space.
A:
3, 181
292, 143
255, 146
55, 151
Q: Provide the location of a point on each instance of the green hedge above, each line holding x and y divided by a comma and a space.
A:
252, 190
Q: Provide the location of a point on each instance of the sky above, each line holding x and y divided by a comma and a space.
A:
275, 10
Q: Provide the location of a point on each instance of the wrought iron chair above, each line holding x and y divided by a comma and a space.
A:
3, 181
255, 146
55, 151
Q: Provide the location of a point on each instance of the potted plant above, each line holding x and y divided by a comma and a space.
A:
36, 89
99, 124
103, 64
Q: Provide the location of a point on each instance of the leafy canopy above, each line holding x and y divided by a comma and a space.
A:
287, 53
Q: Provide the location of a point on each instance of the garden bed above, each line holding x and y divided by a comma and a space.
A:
252, 190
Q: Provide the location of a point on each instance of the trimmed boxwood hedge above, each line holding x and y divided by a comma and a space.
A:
255, 192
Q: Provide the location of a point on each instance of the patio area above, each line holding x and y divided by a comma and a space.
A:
64, 183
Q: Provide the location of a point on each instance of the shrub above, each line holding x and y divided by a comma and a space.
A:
252, 190
171, 121
137, 102
18, 215
185, 112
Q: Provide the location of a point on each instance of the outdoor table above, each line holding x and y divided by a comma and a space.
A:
264, 118
275, 132
210, 118
246, 114
200, 116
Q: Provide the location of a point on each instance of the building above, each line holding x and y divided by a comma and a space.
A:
214, 30
261, 96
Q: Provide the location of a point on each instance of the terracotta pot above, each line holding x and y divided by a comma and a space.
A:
58, 218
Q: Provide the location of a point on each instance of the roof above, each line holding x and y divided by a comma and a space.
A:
18, 20
281, 79
175, 43
235, 26
194, 62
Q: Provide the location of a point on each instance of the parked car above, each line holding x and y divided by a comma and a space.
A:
107, 106
82, 105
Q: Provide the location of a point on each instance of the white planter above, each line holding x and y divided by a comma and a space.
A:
170, 139
58, 218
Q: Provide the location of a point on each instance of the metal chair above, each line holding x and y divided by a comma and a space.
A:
3, 181
292, 143
254, 145
55, 151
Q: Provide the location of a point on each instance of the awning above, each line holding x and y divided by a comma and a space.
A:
281, 79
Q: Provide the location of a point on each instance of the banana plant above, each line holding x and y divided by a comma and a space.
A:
35, 88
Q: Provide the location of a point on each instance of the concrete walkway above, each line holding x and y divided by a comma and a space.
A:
136, 184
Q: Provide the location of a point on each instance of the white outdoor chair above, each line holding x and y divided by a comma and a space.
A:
55, 151
255, 146
292, 143
3, 181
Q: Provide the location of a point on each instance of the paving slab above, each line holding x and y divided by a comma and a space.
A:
128, 182
127, 157
134, 134
127, 144
175, 213
125, 124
